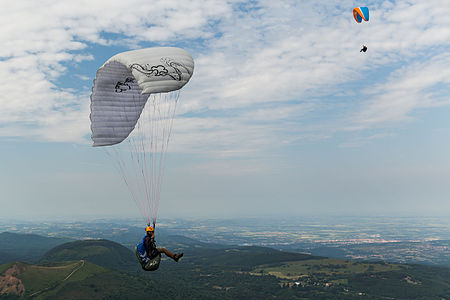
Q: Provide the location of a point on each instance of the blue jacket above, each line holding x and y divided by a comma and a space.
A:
143, 247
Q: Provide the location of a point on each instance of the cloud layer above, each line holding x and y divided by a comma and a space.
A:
267, 74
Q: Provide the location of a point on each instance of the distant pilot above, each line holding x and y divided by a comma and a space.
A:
364, 48
147, 250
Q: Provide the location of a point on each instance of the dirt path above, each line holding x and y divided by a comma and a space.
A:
79, 267
67, 277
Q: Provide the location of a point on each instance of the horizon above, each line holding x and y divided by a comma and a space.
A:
220, 218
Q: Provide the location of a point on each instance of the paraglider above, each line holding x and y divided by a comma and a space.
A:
133, 103
360, 14
149, 255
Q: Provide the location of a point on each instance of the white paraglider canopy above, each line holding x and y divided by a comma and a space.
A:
123, 84
133, 104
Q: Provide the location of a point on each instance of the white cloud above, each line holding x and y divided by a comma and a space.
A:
262, 67
407, 89
39, 37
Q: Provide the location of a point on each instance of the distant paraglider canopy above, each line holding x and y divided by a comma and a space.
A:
361, 13
133, 104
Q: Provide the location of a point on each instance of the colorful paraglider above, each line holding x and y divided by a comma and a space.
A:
360, 14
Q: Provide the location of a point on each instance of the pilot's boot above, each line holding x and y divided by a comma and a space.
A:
177, 256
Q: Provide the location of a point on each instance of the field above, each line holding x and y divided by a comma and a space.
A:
330, 267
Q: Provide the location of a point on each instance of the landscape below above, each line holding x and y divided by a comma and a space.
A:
83, 269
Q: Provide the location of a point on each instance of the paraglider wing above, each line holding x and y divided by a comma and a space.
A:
134, 98
361, 13
123, 84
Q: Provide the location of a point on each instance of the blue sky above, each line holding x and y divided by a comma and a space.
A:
283, 113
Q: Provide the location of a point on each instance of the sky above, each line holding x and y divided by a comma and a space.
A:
283, 115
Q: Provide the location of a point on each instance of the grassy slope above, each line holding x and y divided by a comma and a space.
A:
89, 281
101, 252
37, 278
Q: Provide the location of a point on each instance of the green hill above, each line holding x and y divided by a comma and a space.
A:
69, 280
26, 247
100, 252
83, 270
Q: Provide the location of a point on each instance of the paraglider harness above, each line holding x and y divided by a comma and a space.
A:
152, 252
